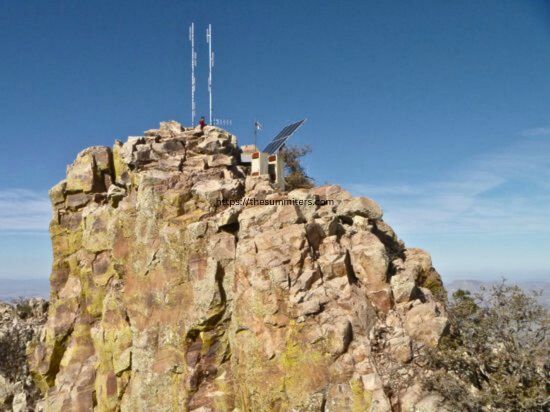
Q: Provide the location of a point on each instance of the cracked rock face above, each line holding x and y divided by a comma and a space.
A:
164, 300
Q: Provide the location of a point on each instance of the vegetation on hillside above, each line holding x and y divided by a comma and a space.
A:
295, 175
496, 357
20, 322
13, 341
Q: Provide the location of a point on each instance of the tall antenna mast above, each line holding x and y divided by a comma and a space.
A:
193, 65
210, 65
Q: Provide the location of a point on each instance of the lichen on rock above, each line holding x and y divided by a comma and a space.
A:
166, 299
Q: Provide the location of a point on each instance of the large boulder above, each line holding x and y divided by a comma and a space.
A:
81, 175
360, 206
426, 322
91, 171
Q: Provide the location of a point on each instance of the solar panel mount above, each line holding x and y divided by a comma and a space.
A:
281, 138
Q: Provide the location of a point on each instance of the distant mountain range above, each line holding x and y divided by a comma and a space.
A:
27, 288
475, 286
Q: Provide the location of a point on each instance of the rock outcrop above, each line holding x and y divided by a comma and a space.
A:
20, 323
170, 292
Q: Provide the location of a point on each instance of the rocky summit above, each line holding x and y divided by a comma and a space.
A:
166, 296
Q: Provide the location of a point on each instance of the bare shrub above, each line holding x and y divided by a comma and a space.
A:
295, 175
497, 356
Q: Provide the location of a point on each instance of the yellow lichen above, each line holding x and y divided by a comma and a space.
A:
361, 398
304, 366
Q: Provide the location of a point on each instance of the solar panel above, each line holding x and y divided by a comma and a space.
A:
279, 140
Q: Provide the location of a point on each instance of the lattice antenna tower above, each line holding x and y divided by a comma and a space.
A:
193, 80
210, 66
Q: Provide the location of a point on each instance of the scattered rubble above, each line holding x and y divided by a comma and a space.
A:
20, 322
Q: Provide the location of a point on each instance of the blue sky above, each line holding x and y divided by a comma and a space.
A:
438, 110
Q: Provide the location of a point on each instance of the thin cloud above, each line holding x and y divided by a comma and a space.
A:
537, 132
23, 210
504, 192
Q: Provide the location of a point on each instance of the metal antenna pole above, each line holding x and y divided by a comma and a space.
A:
255, 133
210, 65
257, 126
193, 65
